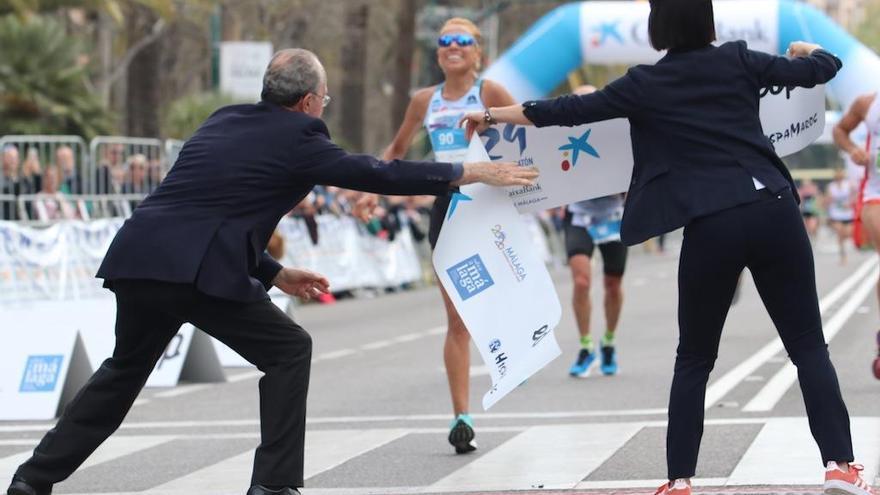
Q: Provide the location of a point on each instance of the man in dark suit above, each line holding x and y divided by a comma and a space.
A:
194, 251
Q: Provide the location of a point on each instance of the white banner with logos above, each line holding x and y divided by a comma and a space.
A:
242, 64
576, 163
41, 369
613, 35
595, 160
349, 256
486, 261
793, 118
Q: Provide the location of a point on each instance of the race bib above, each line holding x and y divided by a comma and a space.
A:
604, 232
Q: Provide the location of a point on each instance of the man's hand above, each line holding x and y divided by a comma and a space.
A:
860, 157
801, 49
497, 174
365, 206
304, 284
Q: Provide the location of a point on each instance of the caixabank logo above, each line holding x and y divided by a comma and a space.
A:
605, 32
41, 373
572, 151
470, 277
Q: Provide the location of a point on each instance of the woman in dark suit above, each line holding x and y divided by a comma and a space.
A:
703, 163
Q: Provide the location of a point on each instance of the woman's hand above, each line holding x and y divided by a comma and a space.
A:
304, 284
474, 122
802, 49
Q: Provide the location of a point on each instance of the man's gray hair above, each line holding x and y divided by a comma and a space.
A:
292, 74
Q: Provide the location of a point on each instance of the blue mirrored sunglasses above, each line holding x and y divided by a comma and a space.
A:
459, 39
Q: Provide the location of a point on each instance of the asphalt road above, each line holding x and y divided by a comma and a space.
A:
379, 407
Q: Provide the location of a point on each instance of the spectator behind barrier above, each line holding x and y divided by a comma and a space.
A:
110, 170
10, 182
71, 182
50, 203
31, 172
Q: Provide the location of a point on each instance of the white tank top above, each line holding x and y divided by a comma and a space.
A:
442, 123
872, 122
840, 208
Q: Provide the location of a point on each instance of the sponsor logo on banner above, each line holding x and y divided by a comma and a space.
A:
470, 277
41, 373
636, 31
796, 128
499, 356
515, 135
516, 267
539, 334
607, 31
457, 197
574, 148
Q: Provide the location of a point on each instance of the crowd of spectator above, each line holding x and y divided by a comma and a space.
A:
66, 186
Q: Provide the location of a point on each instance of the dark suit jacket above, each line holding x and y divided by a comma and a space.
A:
696, 133
209, 221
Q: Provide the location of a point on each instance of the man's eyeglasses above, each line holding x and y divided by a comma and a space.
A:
460, 39
325, 100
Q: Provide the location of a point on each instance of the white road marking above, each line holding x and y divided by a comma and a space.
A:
776, 387
326, 450
730, 380
784, 453
552, 456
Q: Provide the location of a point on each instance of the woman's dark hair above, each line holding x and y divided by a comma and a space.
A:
681, 24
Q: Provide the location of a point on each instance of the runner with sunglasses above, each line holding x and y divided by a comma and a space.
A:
440, 109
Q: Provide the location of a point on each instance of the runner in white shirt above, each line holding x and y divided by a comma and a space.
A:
840, 197
439, 110
865, 108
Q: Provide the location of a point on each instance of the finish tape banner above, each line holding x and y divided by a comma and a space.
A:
576, 163
486, 261
596, 160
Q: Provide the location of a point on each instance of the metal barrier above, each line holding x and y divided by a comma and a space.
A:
172, 151
126, 165
45, 209
25, 159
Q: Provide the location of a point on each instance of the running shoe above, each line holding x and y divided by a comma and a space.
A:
461, 434
840, 482
678, 487
581, 367
877, 361
609, 360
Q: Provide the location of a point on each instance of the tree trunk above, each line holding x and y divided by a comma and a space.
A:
406, 35
142, 98
354, 60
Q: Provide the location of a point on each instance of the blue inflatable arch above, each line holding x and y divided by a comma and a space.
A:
616, 32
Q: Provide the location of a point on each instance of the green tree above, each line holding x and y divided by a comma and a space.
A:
43, 86
186, 114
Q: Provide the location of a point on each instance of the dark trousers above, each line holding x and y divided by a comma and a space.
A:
768, 238
148, 316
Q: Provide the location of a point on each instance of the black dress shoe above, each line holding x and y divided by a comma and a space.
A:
262, 490
22, 487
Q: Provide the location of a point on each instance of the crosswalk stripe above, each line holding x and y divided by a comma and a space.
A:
113, 448
324, 450
784, 453
778, 386
552, 456
120, 445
